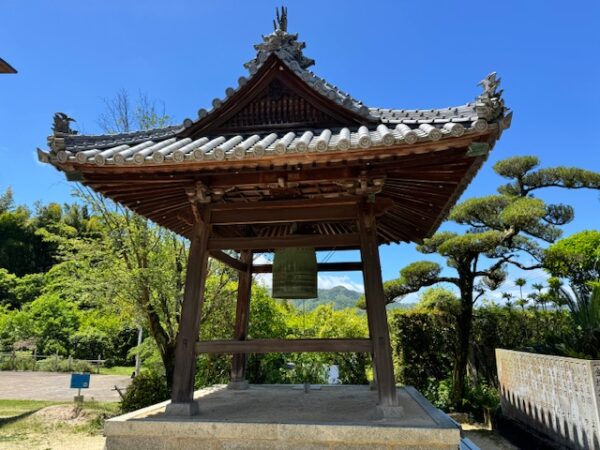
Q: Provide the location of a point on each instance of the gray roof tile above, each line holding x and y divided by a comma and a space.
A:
173, 150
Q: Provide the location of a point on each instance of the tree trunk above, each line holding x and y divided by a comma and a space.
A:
168, 358
164, 342
463, 330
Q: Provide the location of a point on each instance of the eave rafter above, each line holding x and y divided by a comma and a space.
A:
414, 189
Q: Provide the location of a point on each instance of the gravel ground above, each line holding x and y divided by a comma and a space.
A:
55, 386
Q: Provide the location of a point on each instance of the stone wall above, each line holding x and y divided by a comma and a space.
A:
559, 397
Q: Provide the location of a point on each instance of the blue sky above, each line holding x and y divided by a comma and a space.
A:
404, 54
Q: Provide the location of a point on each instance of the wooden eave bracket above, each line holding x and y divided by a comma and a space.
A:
198, 195
478, 149
74, 175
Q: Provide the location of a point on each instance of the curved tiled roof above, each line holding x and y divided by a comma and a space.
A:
389, 126
289, 51
163, 146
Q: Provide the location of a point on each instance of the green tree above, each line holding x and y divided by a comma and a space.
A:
499, 229
576, 258
507, 296
522, 302
6, 201
439, 299
50, 320
539, 296
520, 282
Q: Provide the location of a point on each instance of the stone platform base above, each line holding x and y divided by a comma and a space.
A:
279, 417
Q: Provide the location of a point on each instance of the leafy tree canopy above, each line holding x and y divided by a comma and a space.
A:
439, 299
499, 229
576, 258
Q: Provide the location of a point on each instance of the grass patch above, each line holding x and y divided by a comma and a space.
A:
11, 408
27, 421
117, 370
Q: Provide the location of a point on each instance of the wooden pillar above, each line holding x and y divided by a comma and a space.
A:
182, 403
242, 313
376, 312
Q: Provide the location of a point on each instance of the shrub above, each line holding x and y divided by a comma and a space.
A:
423, 344
54, 364
478, 397
19, 362
146, 389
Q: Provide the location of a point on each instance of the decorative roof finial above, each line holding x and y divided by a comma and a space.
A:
62, 124
490, 84
280, 22
285, 45
489, 104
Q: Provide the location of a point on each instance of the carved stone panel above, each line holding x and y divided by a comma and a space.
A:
556, 396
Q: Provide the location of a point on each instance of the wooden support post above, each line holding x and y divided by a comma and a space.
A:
242, 312
182, 402
376, 313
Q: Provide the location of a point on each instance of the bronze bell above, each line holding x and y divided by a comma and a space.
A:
295, 273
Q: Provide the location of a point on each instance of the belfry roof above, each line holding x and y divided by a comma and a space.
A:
282, 116
6, 67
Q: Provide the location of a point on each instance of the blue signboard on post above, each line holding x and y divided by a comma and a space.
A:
80, 380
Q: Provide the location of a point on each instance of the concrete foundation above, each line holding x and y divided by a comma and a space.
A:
280, 417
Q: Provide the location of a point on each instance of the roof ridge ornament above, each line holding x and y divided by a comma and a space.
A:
280, 22
62, 124
285, 45
490, 104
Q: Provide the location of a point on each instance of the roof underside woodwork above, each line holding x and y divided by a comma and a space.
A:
414, 190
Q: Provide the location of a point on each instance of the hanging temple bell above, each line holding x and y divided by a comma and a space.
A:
295, 273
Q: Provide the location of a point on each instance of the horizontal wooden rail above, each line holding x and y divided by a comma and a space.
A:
285, 346
321, 267
313, 210
350, 240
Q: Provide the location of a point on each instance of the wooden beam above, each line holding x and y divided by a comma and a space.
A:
285, 346
295, 240
242, 313
376, 312
321, 267
232, 262
313, 210
264, 213
182, 402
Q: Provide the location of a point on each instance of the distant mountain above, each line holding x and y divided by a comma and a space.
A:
339, 296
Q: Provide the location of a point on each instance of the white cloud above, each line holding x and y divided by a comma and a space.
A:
408, 299
331, 281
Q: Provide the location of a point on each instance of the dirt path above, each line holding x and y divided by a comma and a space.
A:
55, 386
57, 441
